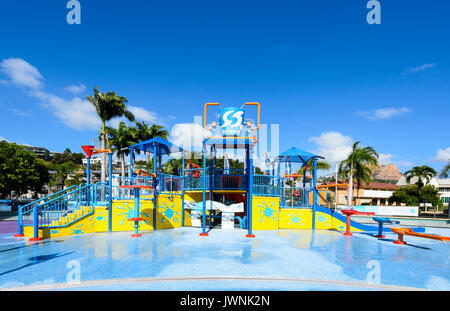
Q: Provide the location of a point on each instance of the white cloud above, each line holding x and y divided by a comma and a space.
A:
443, 155
143, 114
75, 113
188, 136
21, 113
418, 68
387, 158
21, 73
403, 163
384, 159
334, 146
384, 113
75, 89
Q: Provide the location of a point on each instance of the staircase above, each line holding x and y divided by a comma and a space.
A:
57, 210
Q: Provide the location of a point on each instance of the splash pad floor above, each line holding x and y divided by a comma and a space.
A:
179, 259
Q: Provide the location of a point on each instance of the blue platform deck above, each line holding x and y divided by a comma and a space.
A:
179, 259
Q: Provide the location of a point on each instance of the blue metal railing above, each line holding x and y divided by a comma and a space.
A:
296, 197
266, 185
169, 184
25, 213
119, 193
74, 205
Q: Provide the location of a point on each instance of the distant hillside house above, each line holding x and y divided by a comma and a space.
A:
40, 152
443, 185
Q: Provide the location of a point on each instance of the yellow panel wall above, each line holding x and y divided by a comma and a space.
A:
169, 212
124, 209
265, 213
302, 219
83, 226
294, 218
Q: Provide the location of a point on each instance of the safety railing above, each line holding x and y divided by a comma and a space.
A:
100, 196
120, 193
169, 184
61, 211
296, 197
25, 213
265, 185
193, 179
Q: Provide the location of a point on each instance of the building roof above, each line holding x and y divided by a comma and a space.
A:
402, 182
380, 186
444, 183
372, 185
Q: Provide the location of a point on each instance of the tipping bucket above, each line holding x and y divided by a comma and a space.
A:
88, 150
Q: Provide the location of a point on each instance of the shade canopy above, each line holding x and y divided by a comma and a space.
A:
296, 156
163, 147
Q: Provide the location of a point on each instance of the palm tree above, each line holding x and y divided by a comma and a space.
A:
119, 140
173, 166
445, 171
423, 174
357, 166
145, 132
62, 172
108, 106
320, 166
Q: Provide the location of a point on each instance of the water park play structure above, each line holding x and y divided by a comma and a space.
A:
199, 196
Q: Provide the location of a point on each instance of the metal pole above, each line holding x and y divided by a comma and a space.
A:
36, 224
155, 183
336, 190
211, 219
88, 172
131, 165
182, 189
314, 194
19, 222
250, 192
110, 192
204, 233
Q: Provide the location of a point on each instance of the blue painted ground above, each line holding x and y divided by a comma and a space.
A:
275, 260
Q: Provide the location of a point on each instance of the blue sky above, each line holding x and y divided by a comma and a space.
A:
318, 69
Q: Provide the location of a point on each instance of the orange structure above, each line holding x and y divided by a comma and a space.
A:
405, 231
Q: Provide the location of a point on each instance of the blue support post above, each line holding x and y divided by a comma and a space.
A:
136, 213
211, 218
131, 163
36, 224
88, 179
155, 184
182, 189
19, 222
109, 192
249, 192
279, 178
314, 194
204, 233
